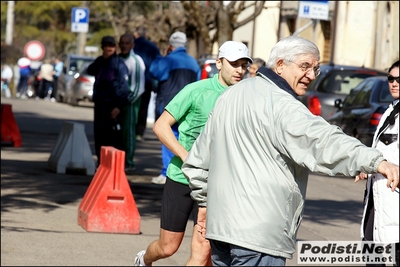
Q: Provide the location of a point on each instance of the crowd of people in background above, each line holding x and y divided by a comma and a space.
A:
32, 79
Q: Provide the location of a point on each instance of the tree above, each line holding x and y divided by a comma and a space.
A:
42, 21
196, 18
223, 19
199, 19
204, 22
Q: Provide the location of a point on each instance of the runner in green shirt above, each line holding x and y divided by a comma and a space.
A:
190, 108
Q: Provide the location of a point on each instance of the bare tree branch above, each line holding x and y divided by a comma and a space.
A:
112, 20
259, 8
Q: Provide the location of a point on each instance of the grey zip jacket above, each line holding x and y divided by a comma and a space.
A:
250, 164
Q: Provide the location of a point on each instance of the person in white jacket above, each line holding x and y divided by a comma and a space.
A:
380, 221
248, 169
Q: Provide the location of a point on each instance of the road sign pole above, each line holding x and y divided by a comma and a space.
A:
82, 37
81, 43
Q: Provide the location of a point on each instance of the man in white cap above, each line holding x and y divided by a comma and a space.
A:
173, 71
190, 107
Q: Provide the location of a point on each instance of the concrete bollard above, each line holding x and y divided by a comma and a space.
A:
72, 150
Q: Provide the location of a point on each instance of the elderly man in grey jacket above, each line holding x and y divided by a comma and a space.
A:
249, 168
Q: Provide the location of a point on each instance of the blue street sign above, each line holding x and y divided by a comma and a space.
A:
314, 9
80, 19
306, 10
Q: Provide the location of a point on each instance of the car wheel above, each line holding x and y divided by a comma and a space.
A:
68, 98
73, 101
59, 96
65, 97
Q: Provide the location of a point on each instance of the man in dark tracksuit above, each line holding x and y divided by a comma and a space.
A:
110, 95
173, 72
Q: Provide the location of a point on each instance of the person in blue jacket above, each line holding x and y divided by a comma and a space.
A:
110, 94
173, 72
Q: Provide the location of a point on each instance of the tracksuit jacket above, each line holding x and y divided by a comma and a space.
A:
250, 164
136, 68
111, 81
173, 72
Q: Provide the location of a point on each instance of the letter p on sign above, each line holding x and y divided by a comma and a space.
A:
80, 14
80, 19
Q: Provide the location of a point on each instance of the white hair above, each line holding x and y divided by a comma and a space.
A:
289, 48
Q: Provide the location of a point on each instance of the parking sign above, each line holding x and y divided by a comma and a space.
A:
80, 19
314, 9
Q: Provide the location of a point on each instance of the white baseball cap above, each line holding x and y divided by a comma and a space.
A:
233, 51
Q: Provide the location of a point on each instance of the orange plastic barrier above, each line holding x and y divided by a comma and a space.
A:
9, 127
108, 204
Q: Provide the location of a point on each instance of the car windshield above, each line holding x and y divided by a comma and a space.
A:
85, 65
360, 95
384, 95
77, 63
341, 82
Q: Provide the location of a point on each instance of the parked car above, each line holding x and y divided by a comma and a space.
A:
71, 66
81, 86
208, 66
359, 114
335, 81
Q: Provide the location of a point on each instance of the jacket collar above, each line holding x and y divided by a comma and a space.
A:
178, 50
278, 80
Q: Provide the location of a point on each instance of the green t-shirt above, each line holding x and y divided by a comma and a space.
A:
190, 108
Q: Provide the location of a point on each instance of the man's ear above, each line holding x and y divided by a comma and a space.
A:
279, 66
218, 63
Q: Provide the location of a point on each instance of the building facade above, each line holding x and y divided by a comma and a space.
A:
360, 33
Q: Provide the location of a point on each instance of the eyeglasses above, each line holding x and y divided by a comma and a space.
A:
307, 68
392, 78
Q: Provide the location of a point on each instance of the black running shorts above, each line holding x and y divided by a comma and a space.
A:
177, 207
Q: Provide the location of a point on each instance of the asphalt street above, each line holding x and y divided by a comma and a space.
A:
39, 208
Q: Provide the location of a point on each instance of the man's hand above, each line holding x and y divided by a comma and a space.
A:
391, 172
114, 113
361, 176
201, 221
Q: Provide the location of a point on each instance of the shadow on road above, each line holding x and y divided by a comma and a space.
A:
27, 184
325, 211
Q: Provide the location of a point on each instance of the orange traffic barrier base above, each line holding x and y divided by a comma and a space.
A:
9, 128
108, 204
